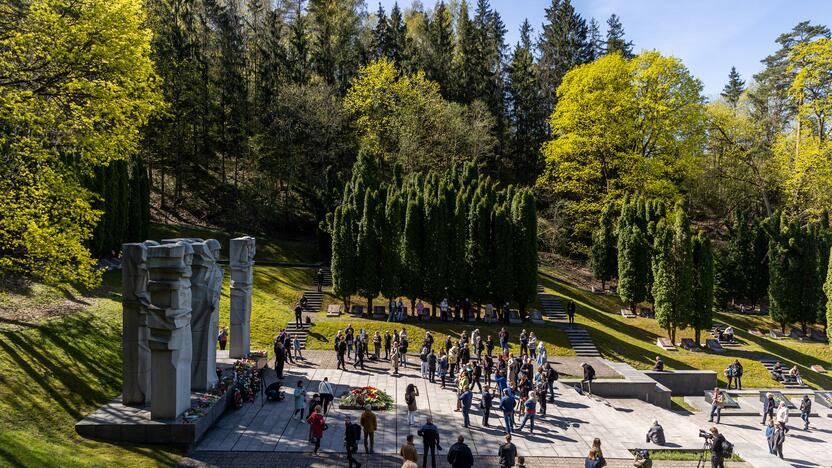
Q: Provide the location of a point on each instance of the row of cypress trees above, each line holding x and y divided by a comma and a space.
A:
455, 235
123, 190
656, 257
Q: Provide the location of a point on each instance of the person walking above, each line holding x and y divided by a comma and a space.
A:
410, 395
805, 410
769, 407
777, 439
589, 376
459, 455
298, 315
489, 346
423, 360
430, 440
466, 397
325, 390
223, 338
360, 347
319, 279
453, 356
504, 340
408, 451
296, 346
551, 377
717, 403
443, 367
316, 427
394, 358
403, 349
369, 423
507, 453
782, 416
299, 395
717, 449
531, 409
570, 311
507, 403
352, 434
769, 432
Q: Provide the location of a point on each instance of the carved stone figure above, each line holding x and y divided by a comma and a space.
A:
135, 301
169, 320
241, 260
206, 285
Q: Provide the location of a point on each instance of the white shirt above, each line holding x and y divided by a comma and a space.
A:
325, 387
783, 414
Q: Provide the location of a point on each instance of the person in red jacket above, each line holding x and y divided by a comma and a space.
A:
316, 424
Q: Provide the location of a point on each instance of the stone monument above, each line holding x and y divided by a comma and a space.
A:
169, 320
241, 260
135, 301
206, 286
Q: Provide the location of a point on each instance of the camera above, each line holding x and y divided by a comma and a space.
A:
642, 453
705, 434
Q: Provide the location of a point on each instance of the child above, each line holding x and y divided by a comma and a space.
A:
521, 462
296, 347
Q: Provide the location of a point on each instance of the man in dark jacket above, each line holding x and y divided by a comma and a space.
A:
352, 435
432, 366
507, 453
430, 438
487, 398
551, 378
656, 433
717, 441
279, 359
589, 376
769, 407
466, 397
570, 311
341, 350
459, 455
507, 404
805, 410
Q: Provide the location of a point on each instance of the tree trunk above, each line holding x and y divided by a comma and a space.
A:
413, 307
370, 306
697, 336
432, 310
603, 285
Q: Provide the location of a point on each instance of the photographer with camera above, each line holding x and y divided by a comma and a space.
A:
718, 446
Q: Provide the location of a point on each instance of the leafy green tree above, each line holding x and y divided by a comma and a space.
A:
78, 83
465, 55
381, 35
702, 293
476, 250
368, 250
344, 244
436, 239
827, 288
604, 258
784, 263
563, 45
412, 248
441, 48
616, 44
633, 257
138, 218
503, 255
391, 268
673, 273
595, 43
524, 219
734, 89
335, 50
823, 236
740, 258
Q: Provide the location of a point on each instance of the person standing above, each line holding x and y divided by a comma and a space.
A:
340, 352
570, 311
777, 439
540, 396
369, 423
769, 432
769, 406
738, 370
443, 366
316, 426
408, 451
805, 410
420, 308
507, 405
377, 345
410, 395
349, 334
299, 395
551, 378
717, 402
430, 439
532, 346
476, 376
223, 338
423, 359
296, 346
717, 449
443, 309
531, 409
325, 390
298, 315
394, 358
589, 376
782, 416
403, 348
466, 397
486, 400
507, 453
452, 359
432, 366
489, 346
524, 343
319, 279
279, 359
387, 344
504, 340
459, 455
359, 354
352, 434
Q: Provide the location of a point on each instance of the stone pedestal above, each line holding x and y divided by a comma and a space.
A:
169, 320
135, 301
241, 260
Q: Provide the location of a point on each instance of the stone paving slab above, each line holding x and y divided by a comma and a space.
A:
566, 431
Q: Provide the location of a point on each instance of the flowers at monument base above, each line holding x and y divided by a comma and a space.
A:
358, 397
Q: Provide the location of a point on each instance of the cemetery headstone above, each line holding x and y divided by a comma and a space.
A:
536, 317
379, 312
514, 317
241, 261
714, 345
665, 344
333, 310
169, 268
776, 334
796, 334
818, 368
357, 309
688, 344
818, 335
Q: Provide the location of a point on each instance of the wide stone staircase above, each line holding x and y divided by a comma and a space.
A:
553, 308
580, 340
769, 363
293, 330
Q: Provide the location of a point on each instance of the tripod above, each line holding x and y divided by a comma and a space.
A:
706, 448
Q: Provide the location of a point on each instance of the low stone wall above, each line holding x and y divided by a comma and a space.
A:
685, 382
648, 391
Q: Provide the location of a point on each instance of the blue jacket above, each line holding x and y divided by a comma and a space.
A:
507, 403
466, 398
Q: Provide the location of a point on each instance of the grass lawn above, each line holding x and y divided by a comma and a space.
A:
686, 455
634, 340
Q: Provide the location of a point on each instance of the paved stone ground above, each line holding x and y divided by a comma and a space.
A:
264, 435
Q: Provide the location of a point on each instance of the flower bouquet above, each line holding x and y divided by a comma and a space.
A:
359, 397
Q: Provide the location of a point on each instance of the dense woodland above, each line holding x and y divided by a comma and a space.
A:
250, 114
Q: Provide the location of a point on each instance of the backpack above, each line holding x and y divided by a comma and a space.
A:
727, 449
